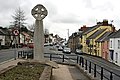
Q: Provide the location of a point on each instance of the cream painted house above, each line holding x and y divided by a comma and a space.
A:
90, 36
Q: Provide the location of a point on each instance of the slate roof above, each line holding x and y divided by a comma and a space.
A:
1, 32
94, 35
103, 37
4, 31
116, 34
110, 35
91, 29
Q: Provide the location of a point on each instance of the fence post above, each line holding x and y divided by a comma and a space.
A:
94, 70
111, 76
63, 58
86, 64
89, 67
50, 57
101, 73
23, 54
77, 59
82, 62
19, 54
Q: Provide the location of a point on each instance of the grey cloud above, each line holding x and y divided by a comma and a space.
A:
87, 3
108, 6
70, 18
52, 9
6, 6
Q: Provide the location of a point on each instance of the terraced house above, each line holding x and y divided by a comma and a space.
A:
102, 45
75, 39
90, 38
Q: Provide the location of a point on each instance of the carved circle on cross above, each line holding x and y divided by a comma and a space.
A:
39, 12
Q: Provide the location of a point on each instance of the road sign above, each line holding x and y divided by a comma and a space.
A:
16, 32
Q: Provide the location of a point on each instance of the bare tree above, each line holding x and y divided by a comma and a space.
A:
19, 20
31, 27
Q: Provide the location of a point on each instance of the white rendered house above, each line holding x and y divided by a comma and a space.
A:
114, 48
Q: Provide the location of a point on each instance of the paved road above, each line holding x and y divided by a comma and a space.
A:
76, 74
6, 54
70, 58
65, 72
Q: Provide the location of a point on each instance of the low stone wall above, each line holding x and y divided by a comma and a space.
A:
47, 73
7, 69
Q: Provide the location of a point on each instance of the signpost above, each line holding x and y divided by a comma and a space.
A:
16, 33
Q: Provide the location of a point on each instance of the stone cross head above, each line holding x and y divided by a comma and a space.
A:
39, 12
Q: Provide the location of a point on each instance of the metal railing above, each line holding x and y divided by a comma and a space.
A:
98, 71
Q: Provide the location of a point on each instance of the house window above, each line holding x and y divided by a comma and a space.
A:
116, 58
111, 44
98, 45
118, 44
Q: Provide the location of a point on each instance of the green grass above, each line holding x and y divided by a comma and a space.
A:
23, 72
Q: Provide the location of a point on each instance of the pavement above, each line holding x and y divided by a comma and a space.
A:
64, 72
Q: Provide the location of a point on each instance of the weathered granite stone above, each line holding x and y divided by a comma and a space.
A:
39, 12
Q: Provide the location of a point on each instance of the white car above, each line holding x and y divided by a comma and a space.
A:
60, 48
78, 51
67, 50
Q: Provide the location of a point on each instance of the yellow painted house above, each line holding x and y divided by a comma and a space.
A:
89, 37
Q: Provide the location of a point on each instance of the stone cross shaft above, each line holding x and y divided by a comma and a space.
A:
39, 12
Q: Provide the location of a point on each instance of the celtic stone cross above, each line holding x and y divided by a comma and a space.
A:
39, 12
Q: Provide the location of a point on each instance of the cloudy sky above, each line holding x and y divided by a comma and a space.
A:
64, 14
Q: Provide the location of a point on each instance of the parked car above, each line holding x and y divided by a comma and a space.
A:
51, 44
30, 45
67, 50
78, 51
57, 45
60, 48
46, 44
